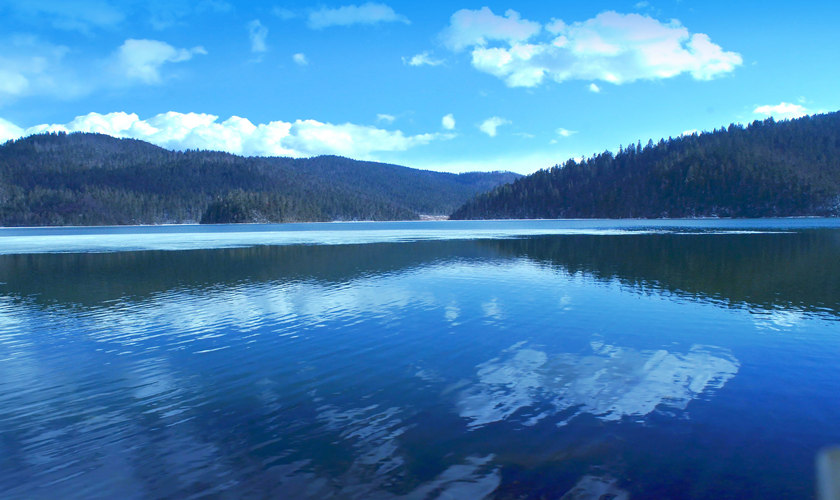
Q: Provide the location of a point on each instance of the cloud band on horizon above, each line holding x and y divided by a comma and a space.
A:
237, 135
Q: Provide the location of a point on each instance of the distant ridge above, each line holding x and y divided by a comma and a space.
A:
95, 179
769, 168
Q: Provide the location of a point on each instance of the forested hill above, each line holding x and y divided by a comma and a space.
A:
767, 169
94, 179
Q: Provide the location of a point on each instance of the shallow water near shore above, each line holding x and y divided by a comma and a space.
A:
498, 359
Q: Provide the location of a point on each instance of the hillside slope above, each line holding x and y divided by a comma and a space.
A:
94, 179
767, 169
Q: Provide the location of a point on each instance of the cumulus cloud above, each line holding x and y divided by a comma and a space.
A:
385, 118
257, 33
448, 122
479, 27
300, 59
310, 137
594, 88
141, 60
9, 130
490, 125
783, 110
368, 13
422, 59
611, 47
237, 135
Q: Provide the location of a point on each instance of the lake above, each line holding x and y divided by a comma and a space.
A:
486, 359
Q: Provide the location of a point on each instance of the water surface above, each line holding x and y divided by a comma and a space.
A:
515, 359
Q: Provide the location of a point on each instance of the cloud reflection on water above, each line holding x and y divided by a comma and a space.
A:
610, 383
777, 320
178, 318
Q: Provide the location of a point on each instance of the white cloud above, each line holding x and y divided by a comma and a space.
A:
490, 125
311, 137
448, 122
257, 33
479, 27
368, 13
31, 67
238, 135
594, 88
687, 133
783, 110
563, 133
141, 60
300, 59
611, 47
385, 118
9, 130
422, 59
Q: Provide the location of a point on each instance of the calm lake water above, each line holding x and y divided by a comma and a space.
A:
516, 359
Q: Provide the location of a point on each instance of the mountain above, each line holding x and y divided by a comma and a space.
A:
768, 168
95, 179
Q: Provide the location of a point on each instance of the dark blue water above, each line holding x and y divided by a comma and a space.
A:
535, 359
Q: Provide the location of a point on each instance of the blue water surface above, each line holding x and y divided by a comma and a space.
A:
499, 359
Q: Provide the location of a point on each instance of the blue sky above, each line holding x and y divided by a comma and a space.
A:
439, 85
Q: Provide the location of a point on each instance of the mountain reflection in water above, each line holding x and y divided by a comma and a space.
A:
765, 270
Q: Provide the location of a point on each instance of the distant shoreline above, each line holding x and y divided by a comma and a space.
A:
428, 218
